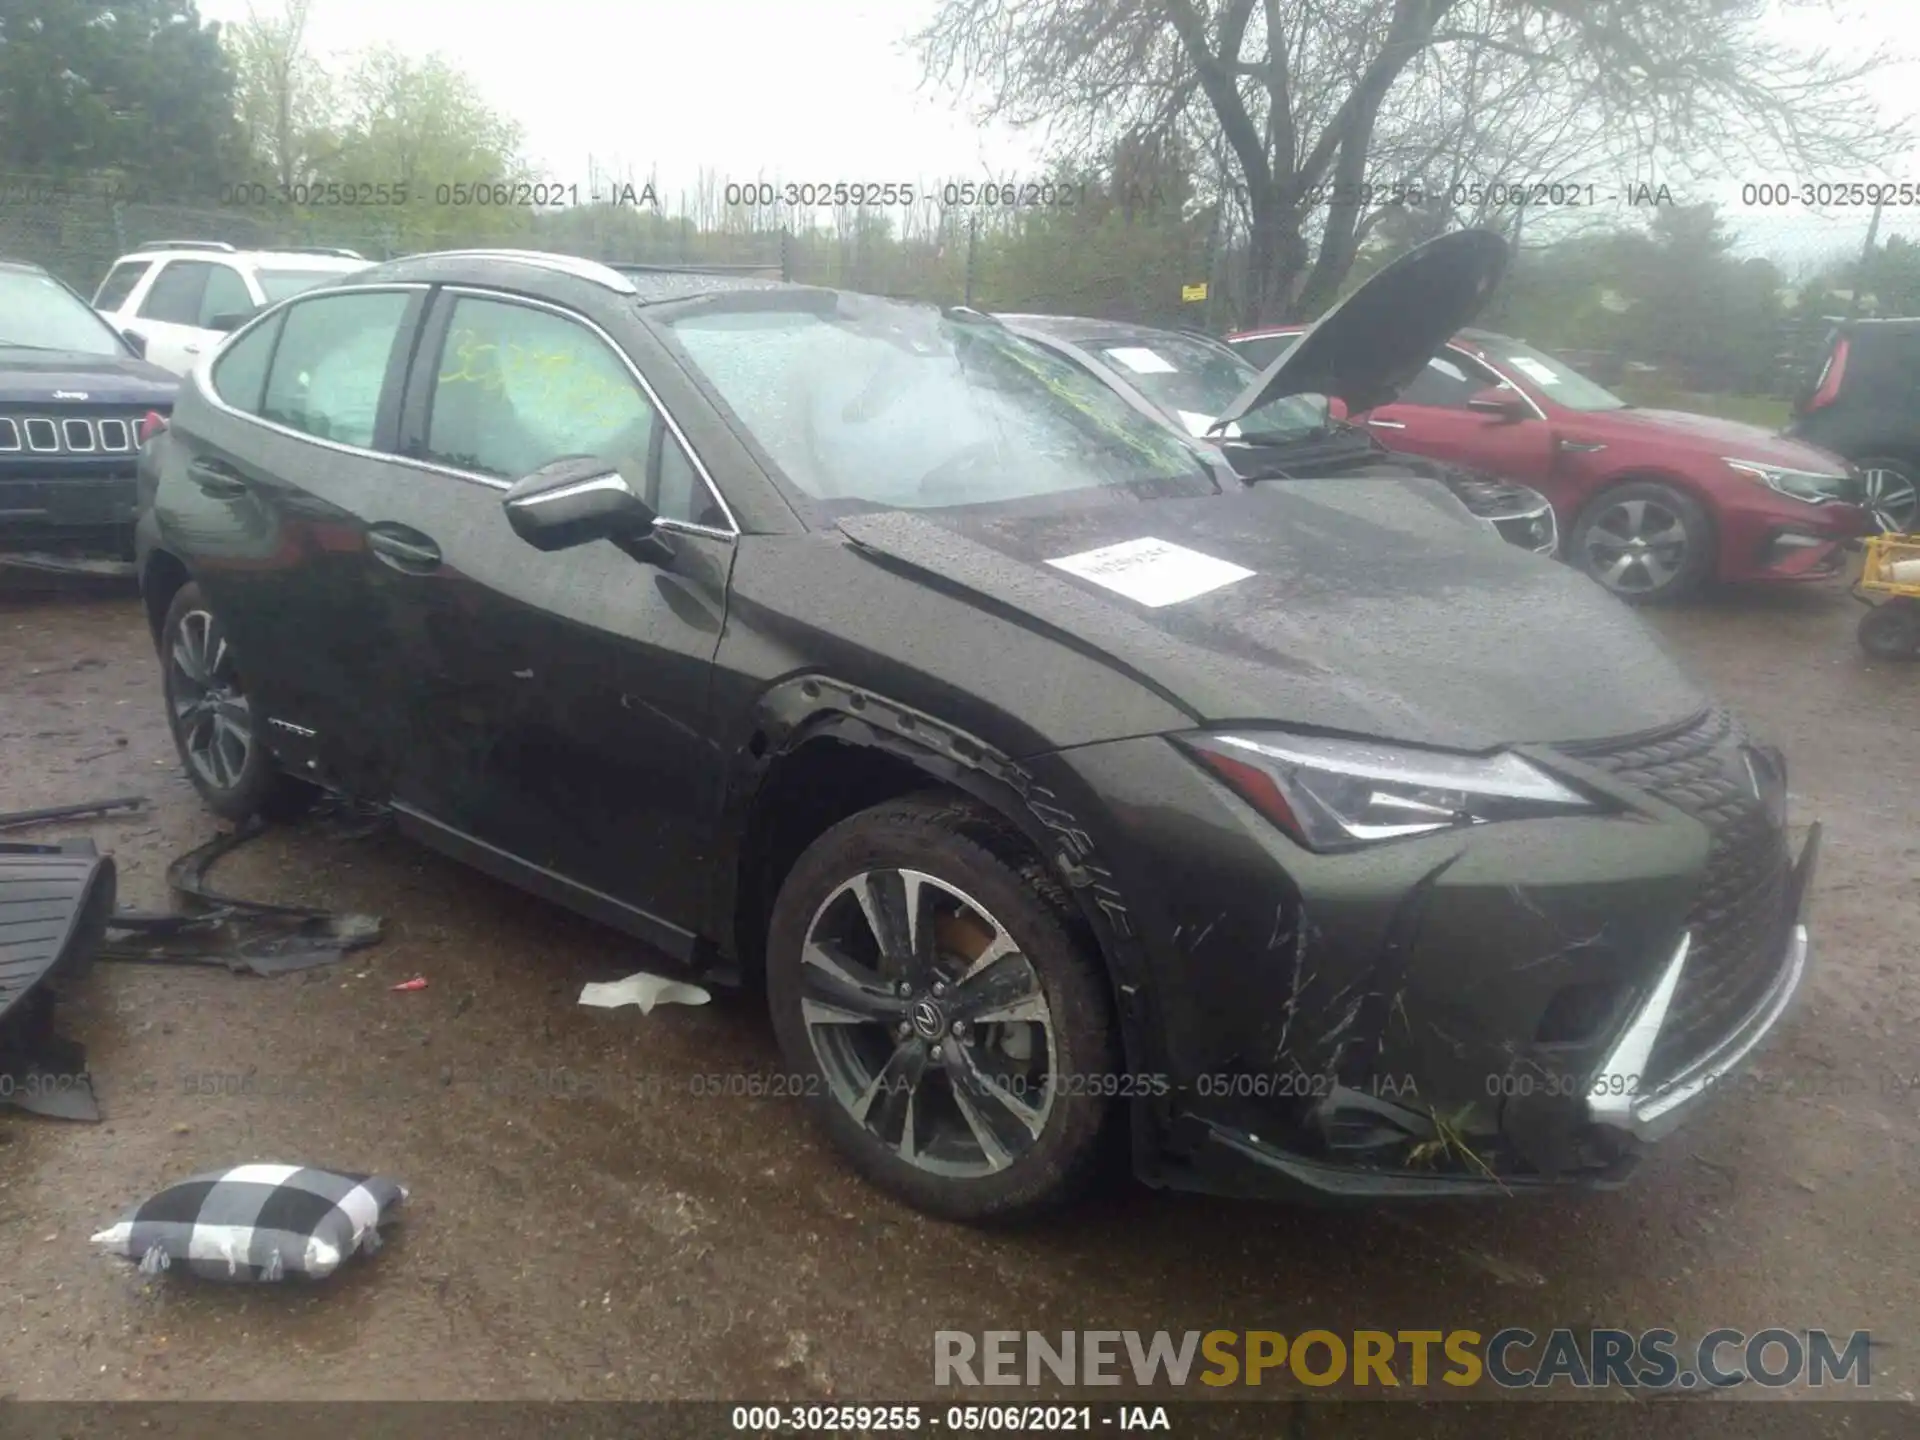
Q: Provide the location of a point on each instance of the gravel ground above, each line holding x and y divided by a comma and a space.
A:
588, 1222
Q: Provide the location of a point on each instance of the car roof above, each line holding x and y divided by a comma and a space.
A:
303, 258
639, 283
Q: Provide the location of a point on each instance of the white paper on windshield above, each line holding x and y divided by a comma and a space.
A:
1198, 424
1153, 572
1527, 365
1141, 360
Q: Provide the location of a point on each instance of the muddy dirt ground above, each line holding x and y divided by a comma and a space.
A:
608, 1232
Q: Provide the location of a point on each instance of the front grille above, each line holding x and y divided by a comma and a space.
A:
1739, 917
70, 434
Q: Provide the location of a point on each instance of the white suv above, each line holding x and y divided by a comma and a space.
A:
179, 297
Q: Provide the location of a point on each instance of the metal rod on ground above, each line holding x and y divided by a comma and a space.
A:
15, 818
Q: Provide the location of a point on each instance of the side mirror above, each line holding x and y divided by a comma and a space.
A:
136, 341
231, 321
570, 502
1500, 402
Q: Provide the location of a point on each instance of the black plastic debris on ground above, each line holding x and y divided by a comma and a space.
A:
55, 903
245, 936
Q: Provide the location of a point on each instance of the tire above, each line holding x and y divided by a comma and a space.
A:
1038, 1125
205, 719
1892, 631
1893, 491
1656, 571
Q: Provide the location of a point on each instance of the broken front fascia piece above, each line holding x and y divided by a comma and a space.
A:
643, 990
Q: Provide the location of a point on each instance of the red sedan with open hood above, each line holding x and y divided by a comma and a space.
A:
1654, 503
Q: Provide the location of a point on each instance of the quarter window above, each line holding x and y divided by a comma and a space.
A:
240, 374
331, 364
175, 295
517, 388
119, 284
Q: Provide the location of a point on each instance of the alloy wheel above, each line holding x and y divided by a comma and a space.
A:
211, 713
930, 1027
1636, 547
1891, 497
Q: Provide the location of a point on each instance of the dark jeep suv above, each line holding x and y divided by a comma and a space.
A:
73, 395
1060, 782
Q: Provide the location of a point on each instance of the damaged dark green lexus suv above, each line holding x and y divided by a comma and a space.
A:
1062, 788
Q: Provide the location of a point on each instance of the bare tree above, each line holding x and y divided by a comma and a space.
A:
282, 94
1310, 103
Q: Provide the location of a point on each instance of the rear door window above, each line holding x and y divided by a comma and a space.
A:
118, 285
226, 294
175, 295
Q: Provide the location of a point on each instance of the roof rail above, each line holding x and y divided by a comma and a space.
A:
344, 254
626, 267
187, 245
572, 265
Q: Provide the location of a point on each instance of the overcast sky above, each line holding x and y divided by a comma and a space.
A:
829, 90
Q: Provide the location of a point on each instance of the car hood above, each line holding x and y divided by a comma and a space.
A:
1709, 434
1367, 612
1370, 345
30, 377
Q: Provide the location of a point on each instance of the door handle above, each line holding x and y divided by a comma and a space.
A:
217, 479
1389, 424
403, 549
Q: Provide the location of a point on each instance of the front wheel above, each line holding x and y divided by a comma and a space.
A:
954, 1033
1892, 631
1890, 492
1647, 542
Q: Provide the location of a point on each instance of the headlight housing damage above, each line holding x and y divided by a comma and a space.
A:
1808, 485
1331, 794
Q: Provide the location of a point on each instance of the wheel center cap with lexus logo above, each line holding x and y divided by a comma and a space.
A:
928, 1020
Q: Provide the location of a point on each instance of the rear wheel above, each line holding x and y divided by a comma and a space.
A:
954, 1035
1647, 542
1892, 631
216, 727
1890, 491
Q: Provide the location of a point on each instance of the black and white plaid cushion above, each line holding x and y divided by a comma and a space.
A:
256, 1222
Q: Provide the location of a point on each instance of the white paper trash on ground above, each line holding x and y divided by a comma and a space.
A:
643, 990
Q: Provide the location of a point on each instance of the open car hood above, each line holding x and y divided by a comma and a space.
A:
1364, 350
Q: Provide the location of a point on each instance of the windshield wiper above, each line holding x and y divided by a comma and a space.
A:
23, 345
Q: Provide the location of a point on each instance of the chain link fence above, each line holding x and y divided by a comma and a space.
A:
1185, 281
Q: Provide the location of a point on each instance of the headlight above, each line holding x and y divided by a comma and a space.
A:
1339, 794
1810, 485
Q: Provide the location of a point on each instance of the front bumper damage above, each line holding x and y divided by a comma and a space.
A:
1621, 1098
1504, 1009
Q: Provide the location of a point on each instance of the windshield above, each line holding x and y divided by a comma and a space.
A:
37, 312
279, 284
868, 403
1557, 380
1194, 380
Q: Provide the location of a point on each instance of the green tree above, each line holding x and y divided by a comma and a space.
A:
139, 87
283, 96
418, 121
